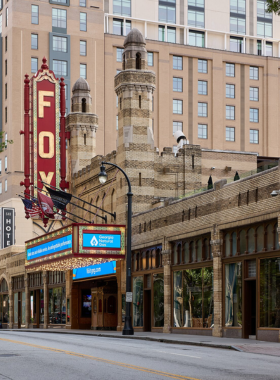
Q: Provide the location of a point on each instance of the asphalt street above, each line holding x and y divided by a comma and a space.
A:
44, 356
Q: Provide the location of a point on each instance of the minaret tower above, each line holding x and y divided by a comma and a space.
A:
82, 125
134, 86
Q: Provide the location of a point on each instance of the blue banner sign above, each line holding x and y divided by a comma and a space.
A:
95, 270
102, 240
54, 246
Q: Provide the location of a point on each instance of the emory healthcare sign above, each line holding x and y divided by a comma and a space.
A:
76, 246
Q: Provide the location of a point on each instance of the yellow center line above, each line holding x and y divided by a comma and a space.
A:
107, 361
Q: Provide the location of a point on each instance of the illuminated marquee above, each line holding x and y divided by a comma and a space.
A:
76, 246
44, 131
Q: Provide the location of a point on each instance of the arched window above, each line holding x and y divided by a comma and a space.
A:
3, 286
138, 61
153, 254
158, 264
192, 251
148, 260
135, 262
186, 253
234, 243
175, 255
206, 249
111, 305
113, 203
260, 238
144, 260
276, 241
269, 237
227, 245
84, 105
199, 250
251, 240
179, 250
242, 237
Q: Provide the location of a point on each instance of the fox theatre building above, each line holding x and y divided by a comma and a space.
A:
76, 277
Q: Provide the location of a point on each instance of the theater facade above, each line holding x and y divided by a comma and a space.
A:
206, 261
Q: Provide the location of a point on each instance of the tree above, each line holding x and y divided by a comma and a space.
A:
3, 144
273, 6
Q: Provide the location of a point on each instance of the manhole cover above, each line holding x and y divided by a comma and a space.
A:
7, 355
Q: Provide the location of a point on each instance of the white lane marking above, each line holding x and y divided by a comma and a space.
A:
173, 353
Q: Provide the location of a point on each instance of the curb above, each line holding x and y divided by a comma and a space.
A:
166, 341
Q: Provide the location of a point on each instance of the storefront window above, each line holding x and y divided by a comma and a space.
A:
4, 308
270, 293
193, 298
233, 295
158, 300
23, 320
138, 301
41, 306
57, 306
4, 302
15, 307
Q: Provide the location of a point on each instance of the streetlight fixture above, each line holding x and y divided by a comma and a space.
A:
128, 329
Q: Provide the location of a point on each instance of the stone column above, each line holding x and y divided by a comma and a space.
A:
216, 243
69, 281
46, 299
166, 262
11, 304
27, 301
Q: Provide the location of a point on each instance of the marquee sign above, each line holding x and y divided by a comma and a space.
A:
44, 131
76, 246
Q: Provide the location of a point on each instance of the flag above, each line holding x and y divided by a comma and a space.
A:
30, 207
46, 205
60, 198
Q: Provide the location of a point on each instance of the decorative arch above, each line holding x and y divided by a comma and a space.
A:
4, 277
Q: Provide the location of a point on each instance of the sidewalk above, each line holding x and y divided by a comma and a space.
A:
242, 345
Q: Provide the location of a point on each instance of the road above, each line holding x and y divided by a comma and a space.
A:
49, 356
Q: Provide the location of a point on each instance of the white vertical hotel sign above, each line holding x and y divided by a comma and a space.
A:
7, 226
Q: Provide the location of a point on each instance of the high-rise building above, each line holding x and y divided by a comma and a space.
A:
216, 65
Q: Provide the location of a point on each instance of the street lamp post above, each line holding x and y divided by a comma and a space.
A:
128, 329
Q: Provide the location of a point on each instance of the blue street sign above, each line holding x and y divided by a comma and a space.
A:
54, 246
103, 241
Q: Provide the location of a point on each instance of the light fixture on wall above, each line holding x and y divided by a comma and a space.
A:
275, 193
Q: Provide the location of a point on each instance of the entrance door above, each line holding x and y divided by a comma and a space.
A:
250, 308
147, 310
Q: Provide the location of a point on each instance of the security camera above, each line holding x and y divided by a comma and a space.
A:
179, 135
274, 193
213, 167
